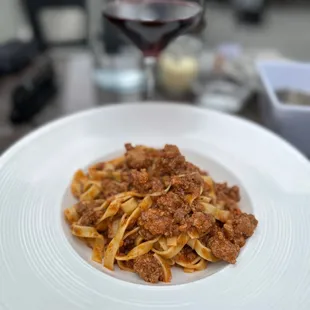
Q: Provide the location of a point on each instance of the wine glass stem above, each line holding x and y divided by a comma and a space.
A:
149, 67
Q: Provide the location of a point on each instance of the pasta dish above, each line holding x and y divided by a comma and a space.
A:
150, 210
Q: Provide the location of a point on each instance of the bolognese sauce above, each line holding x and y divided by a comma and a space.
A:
151, 209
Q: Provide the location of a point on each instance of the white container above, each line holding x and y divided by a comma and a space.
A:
290, 121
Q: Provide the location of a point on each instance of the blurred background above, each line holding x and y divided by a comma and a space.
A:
243, 57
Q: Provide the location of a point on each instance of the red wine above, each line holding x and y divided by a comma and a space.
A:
152, 24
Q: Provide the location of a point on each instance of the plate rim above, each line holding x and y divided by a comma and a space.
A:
30, 139
67, 118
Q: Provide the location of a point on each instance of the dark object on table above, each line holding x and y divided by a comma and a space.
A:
250, 12
294, 97
33, 8
16, 55
33, 94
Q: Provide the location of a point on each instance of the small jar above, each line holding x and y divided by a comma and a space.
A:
178, 66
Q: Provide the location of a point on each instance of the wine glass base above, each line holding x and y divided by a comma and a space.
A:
120, 81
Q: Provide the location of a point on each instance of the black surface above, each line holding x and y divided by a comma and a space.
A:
35, 92
33, 9
16, 55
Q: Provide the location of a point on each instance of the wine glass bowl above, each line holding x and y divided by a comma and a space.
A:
152, 24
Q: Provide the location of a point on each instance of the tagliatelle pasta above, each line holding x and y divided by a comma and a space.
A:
151, 210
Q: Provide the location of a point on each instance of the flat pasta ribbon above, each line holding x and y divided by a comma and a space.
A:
220, 215
122, 265
172, 241
139, 250
202, 250
196, 265
98, 250
131, 232
91, 193
96, 243
138, 240
193, 233
114, 244
173, 251
129, 206
102, 174
84, 231
166, 268
208, 180
163, 243
112, 209
71, 215
78, 183
113, 227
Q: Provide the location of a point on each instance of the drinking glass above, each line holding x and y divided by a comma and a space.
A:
151, 25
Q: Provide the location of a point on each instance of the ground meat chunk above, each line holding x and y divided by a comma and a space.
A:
171, 151
180, 216
126, 177
81, 208
198, 222
127, 264
112, 187
156, 185
202, 222
128, 147
229, 231
196, 206
128, 243
187, 254
222, 248
239, 241
157, 222
137, 157
166, 180
228, 196
216, 228
90, 217
189, 167
213, 231
244, 224
84, 206
140, 180
146, 234
170, 161
240, 228
143, 183
171, 202
187, 184
148, 268
99, 166
232, 192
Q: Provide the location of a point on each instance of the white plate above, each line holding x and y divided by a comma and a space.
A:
43, 267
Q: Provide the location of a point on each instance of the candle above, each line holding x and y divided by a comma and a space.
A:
177, 74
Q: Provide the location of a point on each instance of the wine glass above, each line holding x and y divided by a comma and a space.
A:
151, 25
